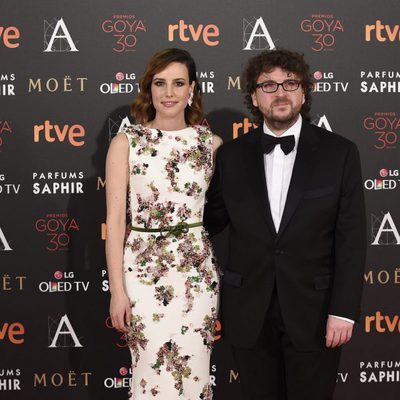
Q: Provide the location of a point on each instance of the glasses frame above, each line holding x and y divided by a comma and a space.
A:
260, 85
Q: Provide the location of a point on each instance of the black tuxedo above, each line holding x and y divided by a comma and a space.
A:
316, 260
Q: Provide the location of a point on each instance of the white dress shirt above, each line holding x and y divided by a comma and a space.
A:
278, 173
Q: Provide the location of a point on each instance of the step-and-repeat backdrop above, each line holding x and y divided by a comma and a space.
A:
68, 72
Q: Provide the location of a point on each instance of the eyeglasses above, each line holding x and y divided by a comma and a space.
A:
289, 85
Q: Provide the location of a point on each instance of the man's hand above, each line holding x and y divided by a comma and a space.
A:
338, 332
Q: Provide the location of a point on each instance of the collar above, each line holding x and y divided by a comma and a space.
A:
293, 130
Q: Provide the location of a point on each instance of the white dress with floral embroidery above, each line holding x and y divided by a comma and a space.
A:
171, 279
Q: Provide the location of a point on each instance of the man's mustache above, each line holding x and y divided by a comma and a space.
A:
280, 101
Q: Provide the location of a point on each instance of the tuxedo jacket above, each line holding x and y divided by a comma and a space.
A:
316, 259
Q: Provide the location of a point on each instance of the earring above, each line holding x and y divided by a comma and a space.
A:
190, 100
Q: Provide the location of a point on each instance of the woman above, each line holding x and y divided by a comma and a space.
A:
163, 279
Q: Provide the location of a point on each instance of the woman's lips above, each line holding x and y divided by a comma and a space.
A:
169, 103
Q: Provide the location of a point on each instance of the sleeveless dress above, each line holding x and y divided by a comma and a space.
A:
170, 278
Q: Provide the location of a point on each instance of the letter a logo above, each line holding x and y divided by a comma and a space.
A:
386, 233
60, 39
4, 246
256, 35
69, 333
324, 123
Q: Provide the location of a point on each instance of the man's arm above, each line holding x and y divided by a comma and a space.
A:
350, 250
216, 217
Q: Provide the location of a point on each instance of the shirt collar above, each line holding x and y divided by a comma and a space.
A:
293, 130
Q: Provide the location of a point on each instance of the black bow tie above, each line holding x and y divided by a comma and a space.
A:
286, 142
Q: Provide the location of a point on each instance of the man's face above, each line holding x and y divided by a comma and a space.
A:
281, 107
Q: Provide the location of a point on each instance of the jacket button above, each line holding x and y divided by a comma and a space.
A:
278, 252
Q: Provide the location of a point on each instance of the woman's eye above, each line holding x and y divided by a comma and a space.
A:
158, 83
180, 83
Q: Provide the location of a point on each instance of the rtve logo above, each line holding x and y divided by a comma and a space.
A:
382, 323
51, 133
9, 36
187, 32
13, 331
382, 32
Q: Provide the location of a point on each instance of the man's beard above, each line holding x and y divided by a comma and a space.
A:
284, 118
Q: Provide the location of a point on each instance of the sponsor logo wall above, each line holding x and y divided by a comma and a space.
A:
67, 77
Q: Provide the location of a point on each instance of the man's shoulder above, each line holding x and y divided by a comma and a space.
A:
329, 139
240, 142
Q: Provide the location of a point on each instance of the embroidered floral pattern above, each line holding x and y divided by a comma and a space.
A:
172, 278
164, 294
207, 331
168, 356
136, 338
157, 317
143, 384
206, 394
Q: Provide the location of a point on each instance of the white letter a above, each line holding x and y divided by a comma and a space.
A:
65, 35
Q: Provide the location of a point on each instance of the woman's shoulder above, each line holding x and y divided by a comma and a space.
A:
206, 132
132, 130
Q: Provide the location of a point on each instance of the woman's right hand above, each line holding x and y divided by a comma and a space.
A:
120, 312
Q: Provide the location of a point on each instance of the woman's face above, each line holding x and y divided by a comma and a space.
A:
170, 91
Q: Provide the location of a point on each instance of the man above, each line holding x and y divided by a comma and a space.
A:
291, 194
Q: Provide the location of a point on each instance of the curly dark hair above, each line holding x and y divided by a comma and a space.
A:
268, 60
142, 108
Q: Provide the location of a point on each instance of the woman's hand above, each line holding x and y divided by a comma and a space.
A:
120, 312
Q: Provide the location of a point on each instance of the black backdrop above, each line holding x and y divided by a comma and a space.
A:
76, 65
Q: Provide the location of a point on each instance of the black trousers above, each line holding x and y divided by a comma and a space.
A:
275, 370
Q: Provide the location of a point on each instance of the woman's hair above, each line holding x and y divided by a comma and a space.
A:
142, 108
268, 60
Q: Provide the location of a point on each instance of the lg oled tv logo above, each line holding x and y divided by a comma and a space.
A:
325, 82
65, 282
124, 380
57, 37
186, 32
256, 35
388, 180
9, 36
381, 32
323, 29
74, 134
125, 29
7, 187
121, 87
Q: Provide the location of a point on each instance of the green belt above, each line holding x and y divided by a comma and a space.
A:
166, 231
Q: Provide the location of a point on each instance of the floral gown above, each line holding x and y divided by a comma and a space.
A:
171, 279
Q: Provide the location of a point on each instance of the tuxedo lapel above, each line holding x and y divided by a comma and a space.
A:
254, 164
307, 146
